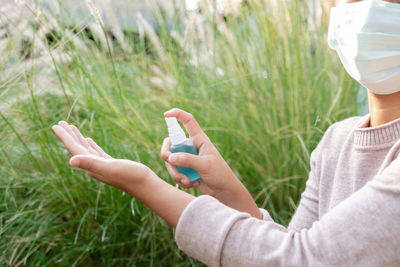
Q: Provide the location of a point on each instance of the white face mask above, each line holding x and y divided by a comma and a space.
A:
366, 35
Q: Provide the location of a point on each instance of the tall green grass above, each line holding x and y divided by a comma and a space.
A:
262, 84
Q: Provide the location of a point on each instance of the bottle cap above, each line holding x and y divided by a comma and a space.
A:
176, 134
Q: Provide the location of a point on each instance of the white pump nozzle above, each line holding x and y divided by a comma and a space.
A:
176, 134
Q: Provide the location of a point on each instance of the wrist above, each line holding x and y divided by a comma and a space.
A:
162, 198
238, 197
231, 192
136, 188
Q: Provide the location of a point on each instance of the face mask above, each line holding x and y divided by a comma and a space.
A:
366, 35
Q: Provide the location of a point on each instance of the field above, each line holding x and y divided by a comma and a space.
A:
262, 83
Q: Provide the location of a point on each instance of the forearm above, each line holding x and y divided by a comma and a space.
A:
239, 198
361, 230
164, 199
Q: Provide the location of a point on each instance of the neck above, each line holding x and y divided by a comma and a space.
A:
383, 108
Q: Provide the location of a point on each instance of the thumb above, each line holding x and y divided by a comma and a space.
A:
196, 162
91, 163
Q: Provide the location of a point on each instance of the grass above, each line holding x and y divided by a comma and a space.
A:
263, 85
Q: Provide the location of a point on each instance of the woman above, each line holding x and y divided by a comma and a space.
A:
350, 211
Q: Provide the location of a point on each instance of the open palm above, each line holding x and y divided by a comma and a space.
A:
89, 156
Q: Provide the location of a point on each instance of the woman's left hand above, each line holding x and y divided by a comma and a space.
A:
87, 155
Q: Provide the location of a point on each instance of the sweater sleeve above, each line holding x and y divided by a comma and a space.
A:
307, 211
362, 230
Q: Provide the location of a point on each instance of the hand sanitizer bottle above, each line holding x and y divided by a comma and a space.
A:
179, 143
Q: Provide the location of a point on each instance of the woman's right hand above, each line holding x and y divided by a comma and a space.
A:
217, 178
87, 155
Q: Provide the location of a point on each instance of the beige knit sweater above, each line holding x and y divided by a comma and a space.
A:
349, 213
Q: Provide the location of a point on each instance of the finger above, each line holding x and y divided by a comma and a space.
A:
165, 149
178, 177
199, 141
199, 163
96, 147
198, 185
94, 175
66, 127
69, 142
93, 164
189, 122
184, 186
203, 188
82, 139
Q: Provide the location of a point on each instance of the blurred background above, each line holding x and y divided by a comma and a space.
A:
257, 75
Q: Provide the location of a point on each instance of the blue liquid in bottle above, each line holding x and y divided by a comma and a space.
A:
188, 148
181, 144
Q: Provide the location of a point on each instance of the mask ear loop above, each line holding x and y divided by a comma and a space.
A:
332, 42
390, 157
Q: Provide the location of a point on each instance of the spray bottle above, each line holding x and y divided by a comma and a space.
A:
179, 143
